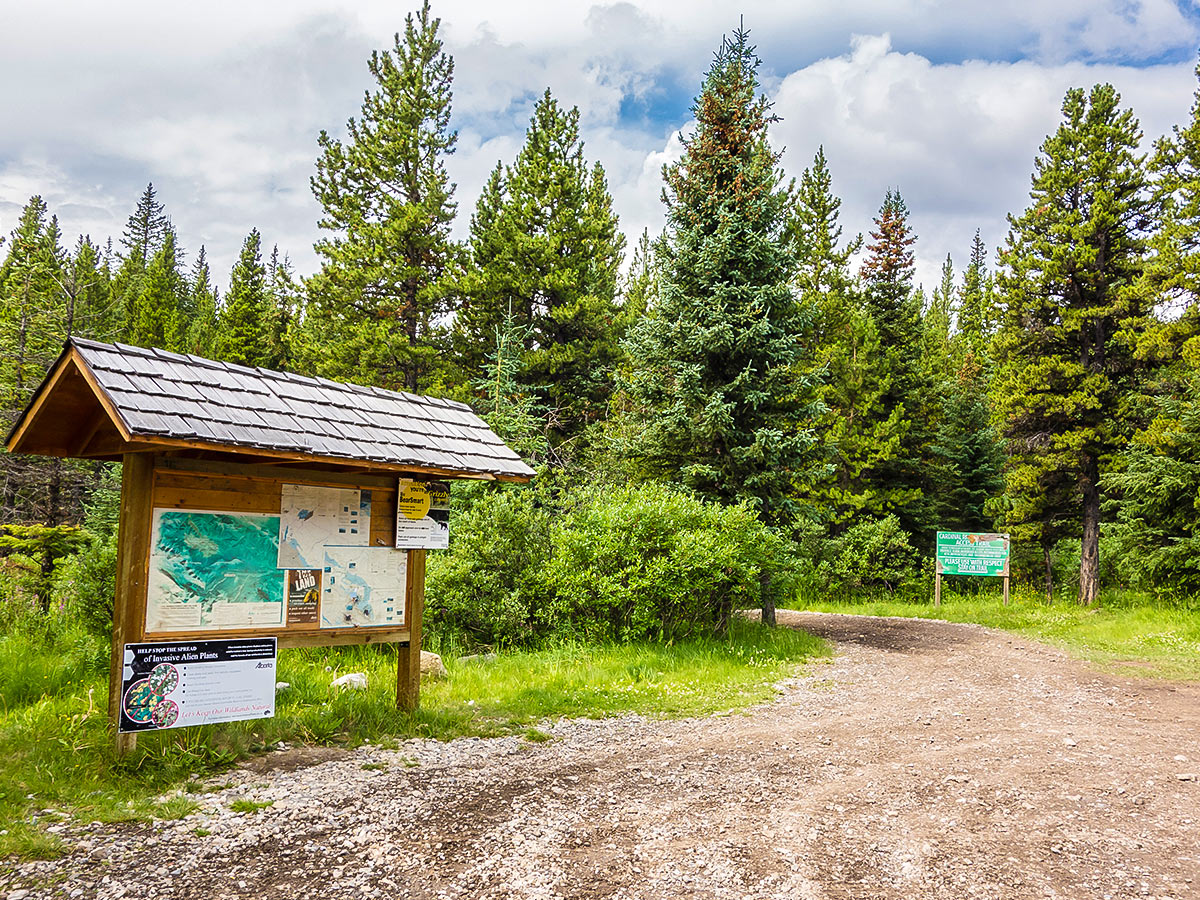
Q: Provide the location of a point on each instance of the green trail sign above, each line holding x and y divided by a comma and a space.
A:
968, 553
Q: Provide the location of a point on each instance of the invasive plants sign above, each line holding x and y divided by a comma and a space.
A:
170, 685
972, 553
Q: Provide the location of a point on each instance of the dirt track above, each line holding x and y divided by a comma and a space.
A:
927, 760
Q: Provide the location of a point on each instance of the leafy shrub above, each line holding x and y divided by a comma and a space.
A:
487, 587
86, 584
624, 564
651, 562
875, 552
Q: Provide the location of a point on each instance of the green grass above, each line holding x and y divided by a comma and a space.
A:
56, 749
1126, 633
250, 806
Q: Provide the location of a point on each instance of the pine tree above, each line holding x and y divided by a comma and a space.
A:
388, 207
155, 318
639, 287
31, 333
244, 317
887, 274
1076, 306
545, 247
936, 324
1174, 266
977, 314
858, 432
902, 482
46, 295
202, 332
714, 364
146, 230
145, 235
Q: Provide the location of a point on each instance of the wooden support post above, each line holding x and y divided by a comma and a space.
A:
1006, 590
937, 589
408, 658
133, 560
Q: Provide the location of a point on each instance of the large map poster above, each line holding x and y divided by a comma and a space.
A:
363, 587
313, 518
213, 570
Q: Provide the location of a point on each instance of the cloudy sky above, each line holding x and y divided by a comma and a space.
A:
220, 103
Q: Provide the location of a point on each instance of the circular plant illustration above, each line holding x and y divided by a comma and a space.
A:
140, 700
165, 713
164, 678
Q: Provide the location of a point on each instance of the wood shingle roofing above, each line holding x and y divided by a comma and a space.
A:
177, 400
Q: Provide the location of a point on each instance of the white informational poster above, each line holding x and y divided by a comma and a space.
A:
363, 587
213, 570
423, 515
171, 685
313, 518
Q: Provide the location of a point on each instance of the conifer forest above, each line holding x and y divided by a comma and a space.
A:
757, 401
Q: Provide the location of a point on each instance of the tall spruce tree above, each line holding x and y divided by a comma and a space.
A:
714, 364
545, 248
902, 481
858, 432
202, 331
154, 313
244, 320
388, 207
977, 314
1076, 306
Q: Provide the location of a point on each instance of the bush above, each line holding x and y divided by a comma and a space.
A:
644, 562
649, 562
86, 584
486, 589
874, 553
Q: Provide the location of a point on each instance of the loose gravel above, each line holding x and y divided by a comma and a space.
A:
926, 760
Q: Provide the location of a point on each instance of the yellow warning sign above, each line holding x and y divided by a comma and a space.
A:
414, 499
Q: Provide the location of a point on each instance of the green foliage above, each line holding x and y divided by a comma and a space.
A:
488, 587
715, 380
632, 563
860, 433
545, 250
202, 331
900, 480
1076, 306
506, 405
154, 311
388, 207
244, 336
977, 312
875, 552
1159, 485
967, 457
650, 562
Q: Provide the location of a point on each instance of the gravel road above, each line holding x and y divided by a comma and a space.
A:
926, 760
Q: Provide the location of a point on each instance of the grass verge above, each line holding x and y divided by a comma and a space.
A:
1126, 633
55, 748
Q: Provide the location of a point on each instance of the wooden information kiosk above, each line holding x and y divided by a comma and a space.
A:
259, 504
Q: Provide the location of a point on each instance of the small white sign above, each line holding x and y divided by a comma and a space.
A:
171, 685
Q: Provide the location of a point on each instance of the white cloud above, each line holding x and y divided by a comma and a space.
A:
220, 103
958, 140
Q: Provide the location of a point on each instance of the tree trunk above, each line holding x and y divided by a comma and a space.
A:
1049, 574
768, 600
1089, 551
